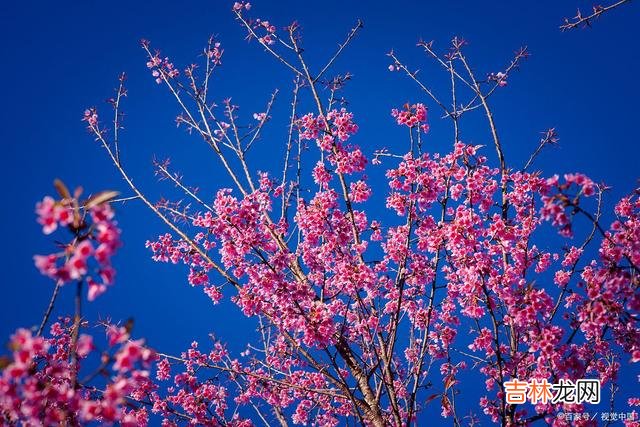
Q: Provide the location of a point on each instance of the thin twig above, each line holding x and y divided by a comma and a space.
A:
52, 301
585, 21
341, 47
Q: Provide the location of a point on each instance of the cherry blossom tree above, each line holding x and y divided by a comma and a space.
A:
366, 314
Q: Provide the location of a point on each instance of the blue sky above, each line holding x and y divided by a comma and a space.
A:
60, 57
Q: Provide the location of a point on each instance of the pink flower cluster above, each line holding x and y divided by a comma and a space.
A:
310, 126
238, 6
95, 238
40, 385
51, 214
331, 133
412, 116
337, 124
342, 124
260, 116
269, 29
214, 52
500, 78
91, 117
161, 68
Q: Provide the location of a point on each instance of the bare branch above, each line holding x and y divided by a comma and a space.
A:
341, 47
581, 20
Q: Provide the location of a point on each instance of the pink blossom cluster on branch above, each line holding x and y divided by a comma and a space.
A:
94, 238
41, 384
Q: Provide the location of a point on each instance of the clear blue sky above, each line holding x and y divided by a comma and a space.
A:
59, 57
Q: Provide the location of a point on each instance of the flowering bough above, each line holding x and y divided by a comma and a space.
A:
364, 316
94, 235
40, 384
